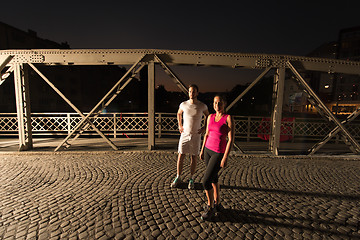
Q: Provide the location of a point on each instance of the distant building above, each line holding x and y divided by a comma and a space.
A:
83, 85
349, 44
346, 88
340, 92
13, 38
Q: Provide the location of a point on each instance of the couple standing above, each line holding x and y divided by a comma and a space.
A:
218, 140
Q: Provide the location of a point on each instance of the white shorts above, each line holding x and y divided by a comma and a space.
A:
189, 143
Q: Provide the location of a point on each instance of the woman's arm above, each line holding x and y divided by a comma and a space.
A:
230, 142
205, 138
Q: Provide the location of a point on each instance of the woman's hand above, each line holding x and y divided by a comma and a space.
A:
201, 155
223, 163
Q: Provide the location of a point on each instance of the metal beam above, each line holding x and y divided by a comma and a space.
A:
279, 83
22, 96
177, 57
151, 105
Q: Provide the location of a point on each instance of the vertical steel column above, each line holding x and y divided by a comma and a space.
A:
279, 82
151, 105
22, 95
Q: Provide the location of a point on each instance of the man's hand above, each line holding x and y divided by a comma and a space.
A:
202, 130
181, 129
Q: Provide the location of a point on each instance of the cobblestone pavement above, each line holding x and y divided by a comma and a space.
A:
127, 195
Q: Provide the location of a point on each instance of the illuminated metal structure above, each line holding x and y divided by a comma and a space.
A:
18, 62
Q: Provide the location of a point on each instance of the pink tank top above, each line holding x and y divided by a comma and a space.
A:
218, 131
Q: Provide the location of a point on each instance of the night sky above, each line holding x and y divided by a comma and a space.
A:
271, 27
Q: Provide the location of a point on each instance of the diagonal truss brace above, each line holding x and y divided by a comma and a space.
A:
8, 71
318, 145
6, 61
243, 93
321, 106
84, 119
171, 74
248, 88
70, 103
105, 105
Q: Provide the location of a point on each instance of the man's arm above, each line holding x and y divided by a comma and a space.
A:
203, 129
179, 118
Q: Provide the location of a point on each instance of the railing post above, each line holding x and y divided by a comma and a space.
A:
114, 116
159, 126
68, 122
248, 129
293, 130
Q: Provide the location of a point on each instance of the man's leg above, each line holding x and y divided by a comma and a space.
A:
193, 164
192, 171
180, 164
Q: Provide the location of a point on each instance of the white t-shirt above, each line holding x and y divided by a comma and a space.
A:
192, 115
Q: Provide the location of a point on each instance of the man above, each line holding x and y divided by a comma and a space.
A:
189, 118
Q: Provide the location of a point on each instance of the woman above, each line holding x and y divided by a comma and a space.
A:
215, 151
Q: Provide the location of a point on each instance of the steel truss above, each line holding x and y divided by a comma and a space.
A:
17, 61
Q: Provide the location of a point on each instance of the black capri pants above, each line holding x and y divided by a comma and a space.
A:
212, 162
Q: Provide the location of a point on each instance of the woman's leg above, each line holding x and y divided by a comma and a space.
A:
210, 197
208, 192
216, 187
213, 166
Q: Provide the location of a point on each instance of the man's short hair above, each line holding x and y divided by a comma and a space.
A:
194, 86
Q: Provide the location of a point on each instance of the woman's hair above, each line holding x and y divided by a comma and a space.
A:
223, 99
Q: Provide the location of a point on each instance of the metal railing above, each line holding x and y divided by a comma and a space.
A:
247, 128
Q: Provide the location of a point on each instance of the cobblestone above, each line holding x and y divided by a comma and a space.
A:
127, 195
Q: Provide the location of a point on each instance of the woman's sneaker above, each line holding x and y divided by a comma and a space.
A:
208, 214
176, 182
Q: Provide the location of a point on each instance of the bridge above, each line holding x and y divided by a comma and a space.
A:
19, 62
127, 195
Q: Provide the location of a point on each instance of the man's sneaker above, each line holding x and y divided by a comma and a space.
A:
176, 182
208, 214
218, 207
191, 184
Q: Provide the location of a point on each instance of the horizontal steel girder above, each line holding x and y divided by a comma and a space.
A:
175, 57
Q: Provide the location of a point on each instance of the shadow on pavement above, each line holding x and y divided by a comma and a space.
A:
299, 193
308, 224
